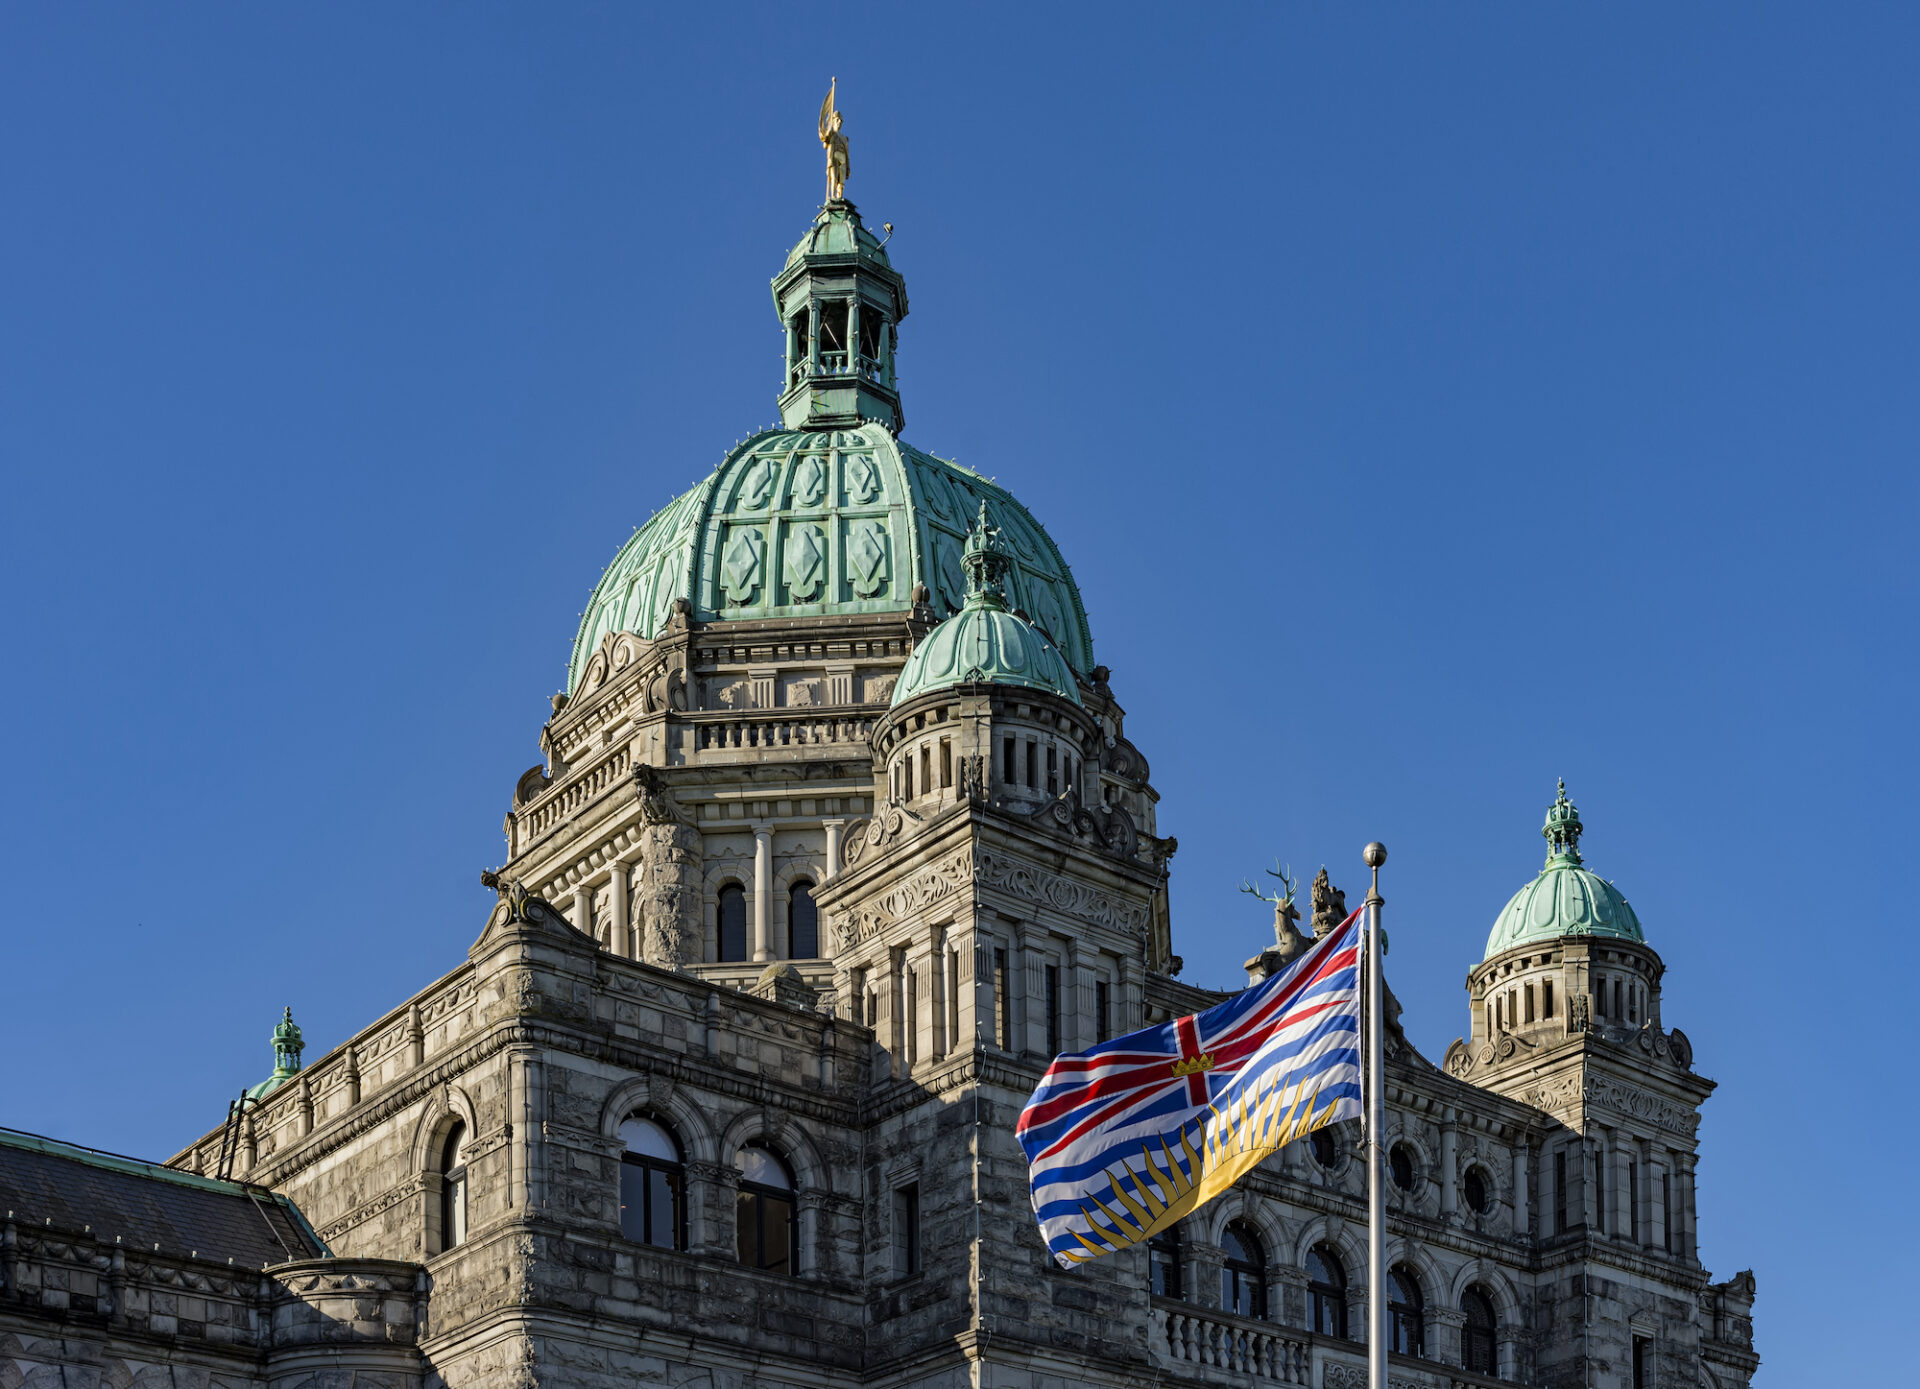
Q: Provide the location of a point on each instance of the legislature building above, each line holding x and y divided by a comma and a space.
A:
836, 839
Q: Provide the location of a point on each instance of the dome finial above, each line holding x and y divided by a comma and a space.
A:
1563, 829
985, 563
838, 166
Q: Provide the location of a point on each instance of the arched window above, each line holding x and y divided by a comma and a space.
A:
1243, 1277
1326, 1292
453, 1188
1477, 1351
1406, 1313
1163, 1262
1400, 1162
733, 922
803, 922
653, 1183
764, 1210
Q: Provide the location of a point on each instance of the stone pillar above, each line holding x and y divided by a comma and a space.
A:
416, 1038
583, 909
1449, 1162
1522, 1200
1444, 1325
808, 1218
813, 337
762, 892
1688, 1245
832, 869
853, 335
618, 940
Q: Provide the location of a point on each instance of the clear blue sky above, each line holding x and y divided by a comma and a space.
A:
1432, 401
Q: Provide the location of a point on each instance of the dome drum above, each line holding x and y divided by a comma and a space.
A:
1013, 748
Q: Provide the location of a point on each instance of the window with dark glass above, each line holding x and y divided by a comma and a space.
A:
1477, 1351
1033, 764
1102, 1005
1642, 1369
1560, 1193
1406, 1313
652, 1185
906, 1231
1326, 1292
1474, 1187
1325, 1151
1053, 1010
1400, 1163
764, 1211
1053, 770
1243, 1276
733, 922
1163, 1263
1666, 1212
1006, 761
453, 1188
803, 922
1546, 998
1600, 1191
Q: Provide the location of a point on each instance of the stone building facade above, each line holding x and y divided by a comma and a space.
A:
837, 838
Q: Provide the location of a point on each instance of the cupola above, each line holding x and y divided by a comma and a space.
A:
1564, 899
840, 301
287, 1046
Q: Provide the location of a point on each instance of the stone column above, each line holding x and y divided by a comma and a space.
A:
813, 337
1687, 1246
1444, 1325
583, 909
618, 940
762, 892
807, 1217
832, 869
1449, 1163
1522, 1201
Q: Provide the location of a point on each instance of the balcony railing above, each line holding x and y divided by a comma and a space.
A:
1206, 1344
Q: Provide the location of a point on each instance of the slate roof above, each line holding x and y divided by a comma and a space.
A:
144, 1204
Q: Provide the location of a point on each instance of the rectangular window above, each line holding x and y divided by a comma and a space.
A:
1101, 1001
1618, 1013
1053, 771
912, 1011
1599, 998
1546, 998
1600, 1190
1033, 765
1002, 1003
1633, 1198
1667, 1240
1642, 1377
906, 777
1053, 1010
906, 1231
1560, 1193
1007, 776
953, 1000
926, 770
946, 763
1529, 1003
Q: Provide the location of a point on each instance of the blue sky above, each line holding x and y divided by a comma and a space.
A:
1432, 401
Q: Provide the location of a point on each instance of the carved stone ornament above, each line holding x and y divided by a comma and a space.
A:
1459, 1060
1329, 904
657, 805
513, 894
1681, 1048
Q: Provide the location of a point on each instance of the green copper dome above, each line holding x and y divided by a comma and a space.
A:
838, 231
1566, 899
799, 523
983, 643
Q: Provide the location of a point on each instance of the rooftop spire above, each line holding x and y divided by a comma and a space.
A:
1563, 829
986, 565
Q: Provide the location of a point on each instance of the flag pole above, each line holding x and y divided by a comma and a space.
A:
1375, 854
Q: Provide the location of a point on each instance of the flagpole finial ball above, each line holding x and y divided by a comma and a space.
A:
1375, 854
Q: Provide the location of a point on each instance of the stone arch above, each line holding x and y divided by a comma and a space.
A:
1412, 1254
444, 1106
1321, 1230
787, 1138
690, 1124
1491, 1279
1426, 1176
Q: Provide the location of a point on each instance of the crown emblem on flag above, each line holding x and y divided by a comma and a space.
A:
1193, 1065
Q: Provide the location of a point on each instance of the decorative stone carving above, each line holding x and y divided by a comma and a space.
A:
878, 689
1627, 1099
756, 484
863, 477
809, 481
1459, 1060
1681, 1049
1329, 904
1064, 895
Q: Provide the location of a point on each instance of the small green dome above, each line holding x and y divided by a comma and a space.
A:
1565, 899
287, 1046
983, 643
814, 523
838, 231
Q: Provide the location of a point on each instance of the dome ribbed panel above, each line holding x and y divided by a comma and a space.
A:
1565, 900
985, 646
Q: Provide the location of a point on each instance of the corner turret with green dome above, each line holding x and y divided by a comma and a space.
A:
1565, 899
287, 1046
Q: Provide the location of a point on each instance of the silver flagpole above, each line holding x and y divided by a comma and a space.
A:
1375, 855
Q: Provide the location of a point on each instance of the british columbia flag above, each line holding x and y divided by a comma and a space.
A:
1125, 1138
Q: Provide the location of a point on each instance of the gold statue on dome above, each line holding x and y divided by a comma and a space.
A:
836, 146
